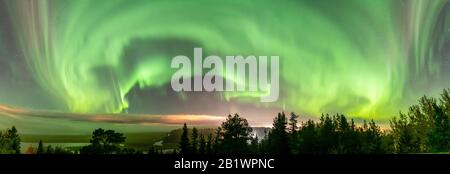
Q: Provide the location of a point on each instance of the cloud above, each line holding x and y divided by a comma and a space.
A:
142, 119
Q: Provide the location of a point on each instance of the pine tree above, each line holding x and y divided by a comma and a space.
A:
326, 135
403, 135
254, 145
184, 142
293, 122
209, 144
40, 149
278, 136
344, 136
50, 150
14, 139
194, 144
308, 138
439, 137
372, 139
202, 146
217, 141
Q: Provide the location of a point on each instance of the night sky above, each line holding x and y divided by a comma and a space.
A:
64, 62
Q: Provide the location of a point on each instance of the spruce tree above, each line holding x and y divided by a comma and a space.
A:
209, 144
293, 123
278, 136
40, 149
50, 150
194, 144
202, 145
184, 142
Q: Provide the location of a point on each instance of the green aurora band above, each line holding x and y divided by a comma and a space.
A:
364, 58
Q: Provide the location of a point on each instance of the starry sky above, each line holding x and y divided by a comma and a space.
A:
64, 62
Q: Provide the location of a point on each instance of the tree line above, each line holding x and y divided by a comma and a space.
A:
424, 128
9, 141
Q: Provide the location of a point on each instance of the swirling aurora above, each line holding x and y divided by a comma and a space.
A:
364, 58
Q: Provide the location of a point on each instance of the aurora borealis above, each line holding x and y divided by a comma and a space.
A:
364, 58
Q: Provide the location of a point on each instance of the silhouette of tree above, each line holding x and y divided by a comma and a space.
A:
293, 129
278, 136
372, 139
345, 136
405, 140
326, 135
40, 149
209, 144
14, 139
439, 137
308, 138
50, 150
102, 142
233, 136
254, 145
184, 143
293, 120
194, 144
425, 128
9, 141
217, 141
202, 145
